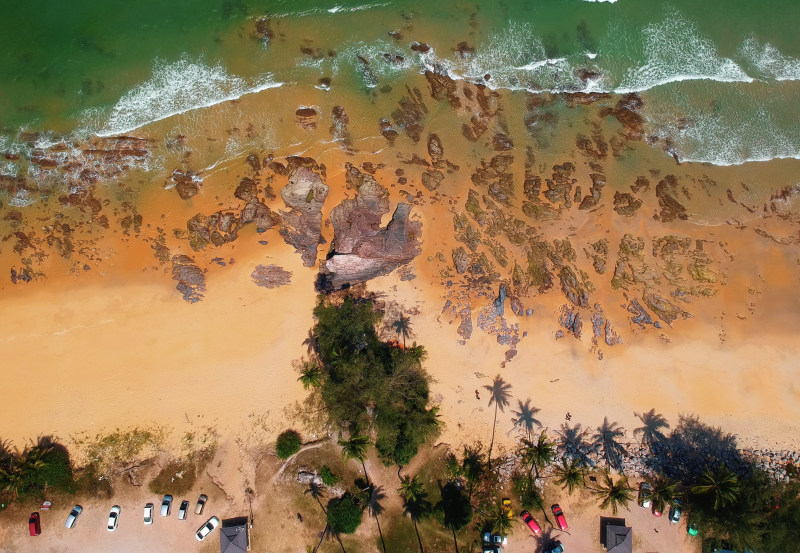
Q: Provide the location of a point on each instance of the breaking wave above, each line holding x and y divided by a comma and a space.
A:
174, 88
768, 62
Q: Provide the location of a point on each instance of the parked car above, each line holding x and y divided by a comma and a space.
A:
113, 518
561, 520
557, 548
644, 495
675, 512
73, 516
201, 502
507, 506
183, 510
34, 525
148, 513
656, 512
487, 537
166, 505
207, 528
528, 519
692, 529
499, 539
489, 548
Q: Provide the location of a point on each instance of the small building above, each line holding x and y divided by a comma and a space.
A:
615, 536
234, 536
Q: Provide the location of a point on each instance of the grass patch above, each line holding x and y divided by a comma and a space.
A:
177, 478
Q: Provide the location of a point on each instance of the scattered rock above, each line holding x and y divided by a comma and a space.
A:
270, 276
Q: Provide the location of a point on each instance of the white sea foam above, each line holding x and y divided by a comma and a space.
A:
333, 10
768, 61
176, 88
602, 1
675, 51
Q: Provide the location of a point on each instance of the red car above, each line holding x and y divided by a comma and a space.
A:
656, 512
528, 519
560, 518
34, 525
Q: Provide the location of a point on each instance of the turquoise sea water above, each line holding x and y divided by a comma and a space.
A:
729, 68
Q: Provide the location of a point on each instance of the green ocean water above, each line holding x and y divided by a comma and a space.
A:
731, 68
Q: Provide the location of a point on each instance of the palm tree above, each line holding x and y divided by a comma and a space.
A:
375, 509
500, 395
524, 418
310, 375
472, 466
317, 492
571, 474
402, 325
500, 520
356, 448
612, 493
607, 436
537, 454
652, 423
663, 491
722, 486
415, 502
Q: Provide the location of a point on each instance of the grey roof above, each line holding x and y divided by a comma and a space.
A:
619, 539
233, 539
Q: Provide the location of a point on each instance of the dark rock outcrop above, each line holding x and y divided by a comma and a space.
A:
301, 227
361, 248
270, 276
190, 277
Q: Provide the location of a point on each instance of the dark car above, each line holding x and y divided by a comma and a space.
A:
183, 510
166, 505
560, 518
532, 524
557, 548
34, 525
675, 512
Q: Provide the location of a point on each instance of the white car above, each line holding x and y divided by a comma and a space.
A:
166, 504
113, 518
207, 528
148, 513
73, 516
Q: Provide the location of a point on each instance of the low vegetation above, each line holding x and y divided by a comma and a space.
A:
177, 477
344, 514
288, 443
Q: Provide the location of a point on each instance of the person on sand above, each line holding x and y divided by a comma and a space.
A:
477, 395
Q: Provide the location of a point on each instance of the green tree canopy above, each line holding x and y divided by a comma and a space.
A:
344, 514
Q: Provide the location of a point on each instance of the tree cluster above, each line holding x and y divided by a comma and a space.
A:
365, 382
27, 474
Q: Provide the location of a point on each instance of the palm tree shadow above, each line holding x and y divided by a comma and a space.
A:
692, 447
525, 418
607, 437
375, 509
573, 443
652, 424
545, 541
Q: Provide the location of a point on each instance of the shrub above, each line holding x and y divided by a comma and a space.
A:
288, 444
344, 514
328, 477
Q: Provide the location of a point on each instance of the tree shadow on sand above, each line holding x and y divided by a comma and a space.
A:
525, 418
652, 424
607, 437
572, 442
693, 447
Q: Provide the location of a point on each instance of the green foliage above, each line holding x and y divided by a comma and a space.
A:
529, 495
361, 374
614, 494
26, 475
455, 507
762, 515
537, 455
344, 514
328, 477
288, 444
178, 477
571, 474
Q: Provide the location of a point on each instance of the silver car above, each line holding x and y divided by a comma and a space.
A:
166, 505
73, 516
